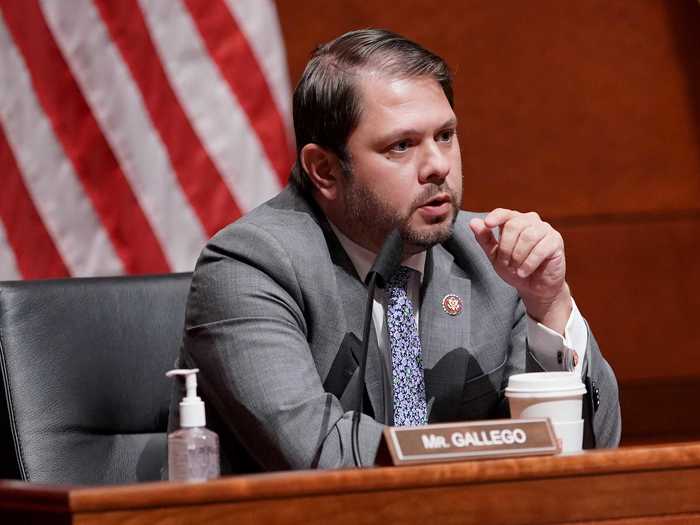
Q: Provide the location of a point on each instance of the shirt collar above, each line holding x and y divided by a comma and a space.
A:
362, 258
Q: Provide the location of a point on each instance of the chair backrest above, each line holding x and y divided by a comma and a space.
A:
83, 363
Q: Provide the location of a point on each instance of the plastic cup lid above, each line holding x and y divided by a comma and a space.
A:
541, 382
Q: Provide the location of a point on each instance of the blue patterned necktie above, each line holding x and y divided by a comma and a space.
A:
407, 362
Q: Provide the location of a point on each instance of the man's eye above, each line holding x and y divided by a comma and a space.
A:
446, 136
401, 146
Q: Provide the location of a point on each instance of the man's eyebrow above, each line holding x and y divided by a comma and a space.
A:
401, 132
450, 123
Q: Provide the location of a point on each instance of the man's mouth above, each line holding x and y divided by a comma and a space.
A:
436, 206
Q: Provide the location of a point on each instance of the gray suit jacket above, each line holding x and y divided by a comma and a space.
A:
274, 320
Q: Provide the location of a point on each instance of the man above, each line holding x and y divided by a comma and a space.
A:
275, 313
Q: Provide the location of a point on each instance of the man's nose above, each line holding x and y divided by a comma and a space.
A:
435, 164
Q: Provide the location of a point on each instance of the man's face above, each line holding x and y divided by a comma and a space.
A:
405, 164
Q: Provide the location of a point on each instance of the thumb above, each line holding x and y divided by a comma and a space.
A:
484, 236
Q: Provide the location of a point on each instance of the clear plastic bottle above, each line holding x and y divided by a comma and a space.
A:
193, 451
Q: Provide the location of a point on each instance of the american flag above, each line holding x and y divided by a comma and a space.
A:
132, 130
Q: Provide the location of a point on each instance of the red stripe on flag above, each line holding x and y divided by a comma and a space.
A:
35, 252
83, 142
199, 178
235, 58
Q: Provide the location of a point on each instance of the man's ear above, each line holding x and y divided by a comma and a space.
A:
323, 169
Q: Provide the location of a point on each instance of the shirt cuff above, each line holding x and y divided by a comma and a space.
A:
555, 352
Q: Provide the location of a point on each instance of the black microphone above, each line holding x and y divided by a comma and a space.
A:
386, 263
388, 259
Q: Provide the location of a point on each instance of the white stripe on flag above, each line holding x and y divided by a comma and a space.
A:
259, 22
118, 107
8, 264
216, 116
48, 174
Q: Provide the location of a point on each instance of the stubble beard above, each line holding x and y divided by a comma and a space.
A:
369, 214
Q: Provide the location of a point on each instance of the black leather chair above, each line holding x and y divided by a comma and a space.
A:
83, 362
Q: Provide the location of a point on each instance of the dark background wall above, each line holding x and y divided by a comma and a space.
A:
588, 112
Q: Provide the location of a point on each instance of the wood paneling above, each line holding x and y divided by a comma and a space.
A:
572, 108
638, 285
660, 410
588, 112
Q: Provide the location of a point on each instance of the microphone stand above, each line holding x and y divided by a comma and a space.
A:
363, 370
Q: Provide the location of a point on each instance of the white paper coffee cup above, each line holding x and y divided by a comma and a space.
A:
570, 433
556, 395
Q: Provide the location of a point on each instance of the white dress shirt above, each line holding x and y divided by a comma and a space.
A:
548, 347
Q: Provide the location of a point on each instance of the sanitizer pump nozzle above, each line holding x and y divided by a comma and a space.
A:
193, 451
191, 406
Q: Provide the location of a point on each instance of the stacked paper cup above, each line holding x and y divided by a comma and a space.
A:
556, 395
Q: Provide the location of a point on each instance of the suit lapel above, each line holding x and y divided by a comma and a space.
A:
444, 337
352, 294
353, 297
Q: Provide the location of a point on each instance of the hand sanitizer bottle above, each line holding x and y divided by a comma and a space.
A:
193, 451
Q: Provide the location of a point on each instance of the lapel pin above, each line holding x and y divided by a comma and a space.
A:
452, 304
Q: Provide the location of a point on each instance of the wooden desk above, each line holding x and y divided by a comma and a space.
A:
636, 485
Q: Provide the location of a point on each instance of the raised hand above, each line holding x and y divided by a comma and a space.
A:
529, 255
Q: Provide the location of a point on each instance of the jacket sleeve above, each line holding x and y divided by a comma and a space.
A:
607, 423
605, 419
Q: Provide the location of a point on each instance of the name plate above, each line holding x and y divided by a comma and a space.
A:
498, 438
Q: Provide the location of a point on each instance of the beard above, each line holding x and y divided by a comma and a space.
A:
369, 215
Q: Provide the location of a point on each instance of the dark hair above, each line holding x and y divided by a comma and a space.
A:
326, 104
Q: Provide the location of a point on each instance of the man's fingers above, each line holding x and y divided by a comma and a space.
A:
484, 236
498, 217
511, 234
525, 242
510, 237
548, 248
529, 237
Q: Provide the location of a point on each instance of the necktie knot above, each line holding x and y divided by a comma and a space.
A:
400, 277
